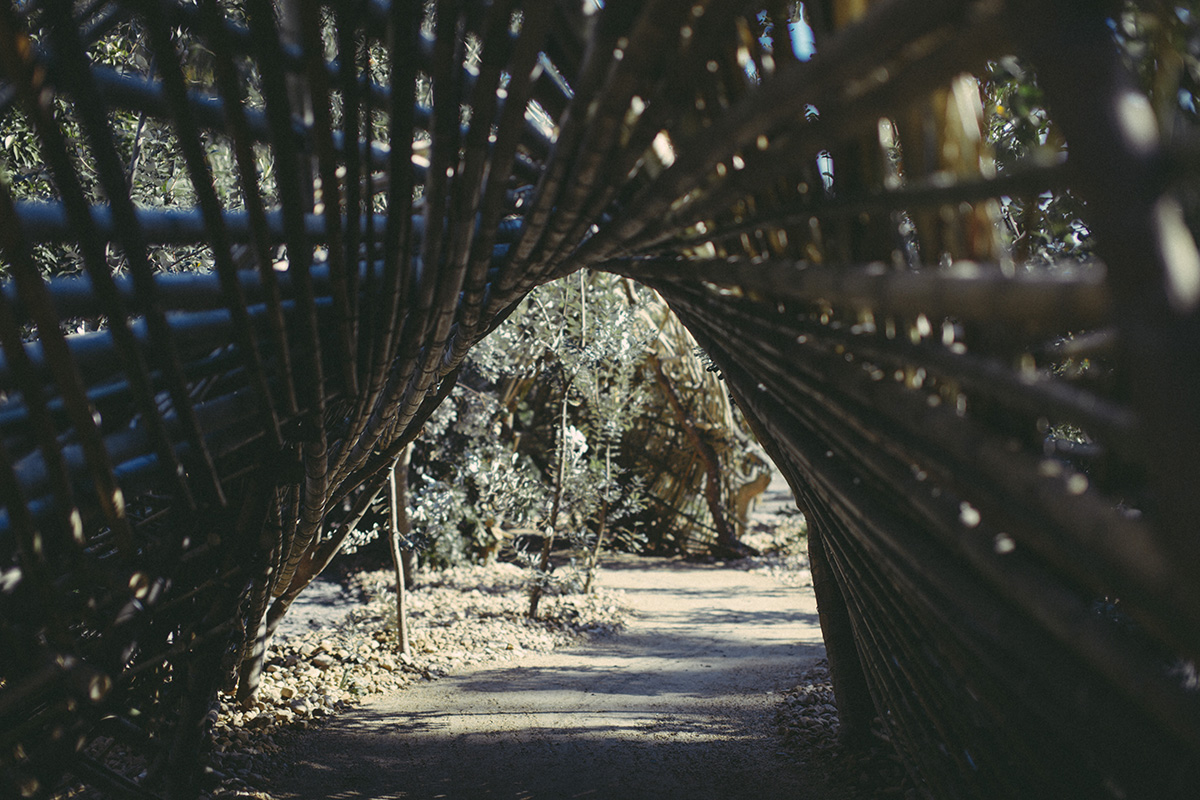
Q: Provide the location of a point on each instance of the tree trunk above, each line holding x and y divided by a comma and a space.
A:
409, 560
535, 595
594, 559
400, 527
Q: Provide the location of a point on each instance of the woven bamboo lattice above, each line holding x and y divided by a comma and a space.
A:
1021, 608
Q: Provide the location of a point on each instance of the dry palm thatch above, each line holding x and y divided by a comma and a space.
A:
997, 459
701, 469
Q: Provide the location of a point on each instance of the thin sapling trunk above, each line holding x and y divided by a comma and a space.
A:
401, 527
535, 595
594, 559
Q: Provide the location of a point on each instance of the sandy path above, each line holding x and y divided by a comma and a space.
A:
676, 706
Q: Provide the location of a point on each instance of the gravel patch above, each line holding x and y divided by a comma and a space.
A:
807, 719
778, 531
458, 617
789, 569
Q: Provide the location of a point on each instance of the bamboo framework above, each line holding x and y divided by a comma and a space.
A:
997, 457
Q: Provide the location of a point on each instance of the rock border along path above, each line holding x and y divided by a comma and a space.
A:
679, 704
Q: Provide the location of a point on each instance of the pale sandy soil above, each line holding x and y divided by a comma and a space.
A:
681, 704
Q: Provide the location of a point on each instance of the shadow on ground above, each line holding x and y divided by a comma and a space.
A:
680, 705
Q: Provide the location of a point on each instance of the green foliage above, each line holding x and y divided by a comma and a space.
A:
488, 459
471, 480
154, 165
1046, 229
1161, 43
586, 336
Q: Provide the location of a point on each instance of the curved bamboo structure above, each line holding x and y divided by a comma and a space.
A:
997, 458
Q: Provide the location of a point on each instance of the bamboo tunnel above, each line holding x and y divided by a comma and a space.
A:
992, 436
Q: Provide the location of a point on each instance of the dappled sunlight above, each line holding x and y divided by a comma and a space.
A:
693, 678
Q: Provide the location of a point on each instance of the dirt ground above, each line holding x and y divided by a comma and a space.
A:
678, 705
